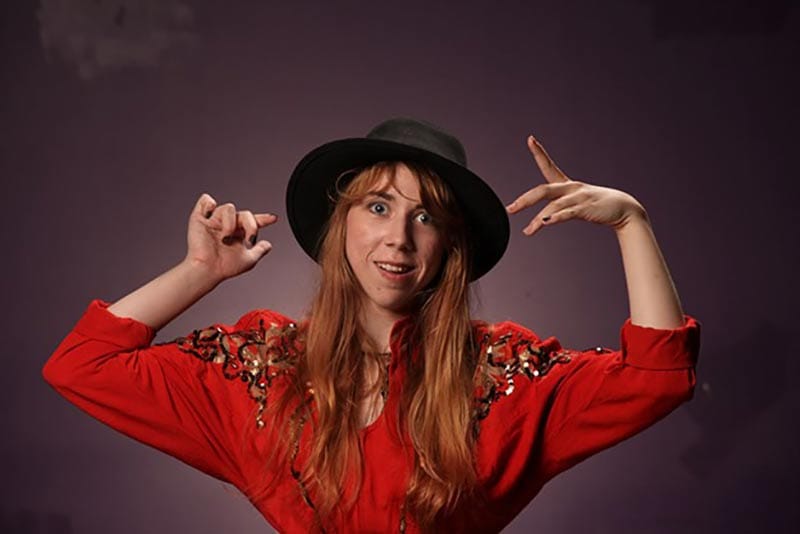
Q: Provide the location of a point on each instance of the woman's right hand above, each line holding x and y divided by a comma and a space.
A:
223, 241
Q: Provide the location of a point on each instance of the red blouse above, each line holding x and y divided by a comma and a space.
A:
539, 408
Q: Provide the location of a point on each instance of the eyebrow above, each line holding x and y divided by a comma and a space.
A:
389, 196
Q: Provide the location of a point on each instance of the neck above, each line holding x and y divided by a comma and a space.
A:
377, 324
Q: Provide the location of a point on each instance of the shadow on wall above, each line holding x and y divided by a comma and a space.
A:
97, 36
25, 521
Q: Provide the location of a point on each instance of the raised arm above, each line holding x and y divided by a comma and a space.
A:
221, 244
191, 398
652, 296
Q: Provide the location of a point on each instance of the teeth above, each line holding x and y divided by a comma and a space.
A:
394, 268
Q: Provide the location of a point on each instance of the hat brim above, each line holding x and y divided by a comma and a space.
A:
308, 206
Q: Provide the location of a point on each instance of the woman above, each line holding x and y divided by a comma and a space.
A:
387, 409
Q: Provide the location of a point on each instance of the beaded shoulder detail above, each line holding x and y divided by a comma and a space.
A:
254, 356
503, 358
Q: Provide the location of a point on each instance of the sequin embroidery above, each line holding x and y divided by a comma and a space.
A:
258, 356
502, 360
254, 356
299, 419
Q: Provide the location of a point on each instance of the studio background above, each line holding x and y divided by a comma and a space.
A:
116, 115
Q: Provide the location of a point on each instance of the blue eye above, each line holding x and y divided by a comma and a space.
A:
424, 218
378, 208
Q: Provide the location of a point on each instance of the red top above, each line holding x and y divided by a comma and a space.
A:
541, 408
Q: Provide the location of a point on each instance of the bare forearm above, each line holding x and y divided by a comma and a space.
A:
167, 296
654, 302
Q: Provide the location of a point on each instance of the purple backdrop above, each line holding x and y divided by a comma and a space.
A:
113, 123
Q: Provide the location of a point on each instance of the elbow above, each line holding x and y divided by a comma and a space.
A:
689, 389
75, 361
675, 392
686, 385
55, 373
64, 369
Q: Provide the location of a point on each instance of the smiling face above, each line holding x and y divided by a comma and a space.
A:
393, 245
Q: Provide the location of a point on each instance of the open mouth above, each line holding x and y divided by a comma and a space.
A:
394, 268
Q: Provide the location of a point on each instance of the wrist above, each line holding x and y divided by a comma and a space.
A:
198, 275
636, 217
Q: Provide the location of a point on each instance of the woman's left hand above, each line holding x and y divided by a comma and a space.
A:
571, 199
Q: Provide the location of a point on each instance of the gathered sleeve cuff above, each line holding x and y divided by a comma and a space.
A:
100, 324
661, 349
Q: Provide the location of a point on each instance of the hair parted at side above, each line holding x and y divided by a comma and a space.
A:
436, 409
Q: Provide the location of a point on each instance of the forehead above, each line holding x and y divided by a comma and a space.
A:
399, 179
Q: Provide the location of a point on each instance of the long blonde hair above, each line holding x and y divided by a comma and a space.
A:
334, 364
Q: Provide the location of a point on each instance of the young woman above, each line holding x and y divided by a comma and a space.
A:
387, 408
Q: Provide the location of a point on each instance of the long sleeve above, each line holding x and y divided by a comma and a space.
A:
605, 397
168, 395
545, 408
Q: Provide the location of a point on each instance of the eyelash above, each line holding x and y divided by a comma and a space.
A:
428, 220
372, 205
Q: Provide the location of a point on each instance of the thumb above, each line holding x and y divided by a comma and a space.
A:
259, 250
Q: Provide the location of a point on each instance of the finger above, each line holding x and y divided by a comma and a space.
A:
545, 216
247, 222
259, 250
550, 216
549, 169
227, 217
259, 220
204, 206
528, 198
265, 219
540, 192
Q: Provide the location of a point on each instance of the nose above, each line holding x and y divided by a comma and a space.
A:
400, 233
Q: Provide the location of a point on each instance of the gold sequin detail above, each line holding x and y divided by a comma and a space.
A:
256, 357
504, 359
403, 515
299, 419
386, 358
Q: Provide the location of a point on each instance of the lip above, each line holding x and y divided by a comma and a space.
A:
395, 276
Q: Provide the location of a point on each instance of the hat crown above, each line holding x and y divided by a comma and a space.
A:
422, 135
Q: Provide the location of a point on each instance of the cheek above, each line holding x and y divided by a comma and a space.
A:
434, 255
357, 238
348, 238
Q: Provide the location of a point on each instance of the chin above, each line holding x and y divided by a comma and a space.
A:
392, 306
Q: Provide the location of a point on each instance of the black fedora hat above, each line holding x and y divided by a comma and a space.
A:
312, 185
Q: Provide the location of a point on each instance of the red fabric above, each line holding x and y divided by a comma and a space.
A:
544, 409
